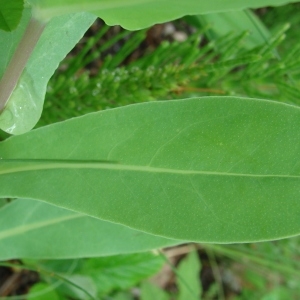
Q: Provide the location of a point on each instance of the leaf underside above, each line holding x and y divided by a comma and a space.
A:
137, 14
211, 169
27, 226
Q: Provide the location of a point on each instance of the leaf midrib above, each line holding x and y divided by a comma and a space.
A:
27, 165
37, 225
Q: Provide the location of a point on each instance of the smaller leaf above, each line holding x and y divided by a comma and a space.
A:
84, 282
27, 226
150, 291
25, 104
10, 14
123, 296
122, 271
188, 279
43, 291
100, 276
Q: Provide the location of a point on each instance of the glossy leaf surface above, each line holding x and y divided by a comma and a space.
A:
25, 104
211, 169
137, 14
27, 226
10, 14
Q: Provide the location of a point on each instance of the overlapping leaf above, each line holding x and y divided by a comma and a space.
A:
32, 229
136, 14
25, 104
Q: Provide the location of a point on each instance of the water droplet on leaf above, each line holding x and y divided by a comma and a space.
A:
23, 108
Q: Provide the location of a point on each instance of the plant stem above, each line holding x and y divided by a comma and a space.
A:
18, 61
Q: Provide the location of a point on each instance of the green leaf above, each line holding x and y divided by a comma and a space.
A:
25, 104
123, 296
150, 292
104, 275
188, 277
278, 293
137, 14
3, 202
10, 14
121, 272
43, 291
236, 22
78, 286
32, 229
211, 169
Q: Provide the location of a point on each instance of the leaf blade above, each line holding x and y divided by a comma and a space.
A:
27, 235
137, 14
191, 147
25, 103
188, 277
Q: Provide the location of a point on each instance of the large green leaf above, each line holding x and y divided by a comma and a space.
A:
10, 14
25, 104
33, 229
211, 169
136, 14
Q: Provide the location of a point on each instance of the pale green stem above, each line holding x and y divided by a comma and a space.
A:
19, 60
